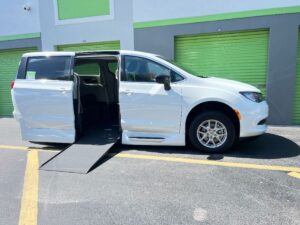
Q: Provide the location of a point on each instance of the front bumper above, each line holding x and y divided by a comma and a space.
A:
251, 117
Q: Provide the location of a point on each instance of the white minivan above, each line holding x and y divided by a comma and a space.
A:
57, 95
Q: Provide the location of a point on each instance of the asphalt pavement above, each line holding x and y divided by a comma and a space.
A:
156, 185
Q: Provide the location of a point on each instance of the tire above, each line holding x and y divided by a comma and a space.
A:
218, 138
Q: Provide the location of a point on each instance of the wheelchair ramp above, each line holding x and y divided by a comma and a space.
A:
85, 153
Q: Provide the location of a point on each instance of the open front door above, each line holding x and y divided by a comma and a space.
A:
43, 98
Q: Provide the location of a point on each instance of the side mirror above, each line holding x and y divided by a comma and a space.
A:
164, 79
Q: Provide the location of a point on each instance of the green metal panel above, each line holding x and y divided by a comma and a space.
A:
9, 63
110, 45
70, 9
241, 56
296, 115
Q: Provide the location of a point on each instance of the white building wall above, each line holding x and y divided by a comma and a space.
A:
149, 10
118, 26
15, 20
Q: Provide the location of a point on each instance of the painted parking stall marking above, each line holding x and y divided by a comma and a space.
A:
292, 171
294, 174
209, 162
29, 202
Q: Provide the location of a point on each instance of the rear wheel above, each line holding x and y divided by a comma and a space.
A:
212, 132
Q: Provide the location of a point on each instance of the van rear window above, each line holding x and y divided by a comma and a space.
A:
51, 68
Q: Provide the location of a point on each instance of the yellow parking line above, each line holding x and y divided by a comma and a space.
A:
209, 162
23, 148
294, 174
14, 147
184, 160
44, 149
29, 203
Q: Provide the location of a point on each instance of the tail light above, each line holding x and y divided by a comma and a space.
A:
12, 84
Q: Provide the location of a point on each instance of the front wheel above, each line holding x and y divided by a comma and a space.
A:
212, 132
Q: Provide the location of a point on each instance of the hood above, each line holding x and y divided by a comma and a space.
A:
230, 85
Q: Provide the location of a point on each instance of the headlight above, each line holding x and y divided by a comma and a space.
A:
253, 96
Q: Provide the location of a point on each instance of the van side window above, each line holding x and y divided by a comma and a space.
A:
51, 68
142, 70
175, 77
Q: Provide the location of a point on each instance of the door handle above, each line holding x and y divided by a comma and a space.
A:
64, 90
126, 92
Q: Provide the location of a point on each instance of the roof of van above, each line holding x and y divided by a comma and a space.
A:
81, 53
47, 54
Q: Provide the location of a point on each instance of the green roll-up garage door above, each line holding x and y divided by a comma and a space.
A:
110, 45
296, 116
241, 56
9, 63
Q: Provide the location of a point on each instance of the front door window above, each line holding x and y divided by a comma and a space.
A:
142, 70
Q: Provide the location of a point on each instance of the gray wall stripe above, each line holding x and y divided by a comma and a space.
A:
23, 43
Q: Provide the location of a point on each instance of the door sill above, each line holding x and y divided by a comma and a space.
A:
147, 139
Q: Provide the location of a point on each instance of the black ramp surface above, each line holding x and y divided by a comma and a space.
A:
82, 155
